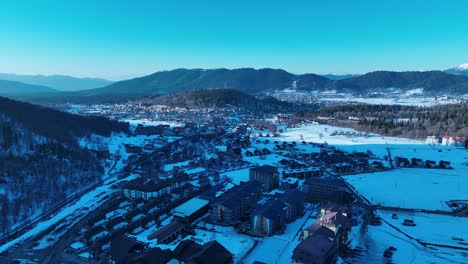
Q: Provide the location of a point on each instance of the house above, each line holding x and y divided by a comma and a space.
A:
326, 190
402, 162
317, 229
316, 249
267, 175
339, 224
123, 248
153, 256
416, 162
168, 233
190, 252
269, 218
191, 210
434, 140
236, 203
452, 141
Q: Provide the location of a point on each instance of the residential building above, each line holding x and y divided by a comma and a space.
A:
316, 249
269, 218
267, 175
326, 190
236, 203
168, 233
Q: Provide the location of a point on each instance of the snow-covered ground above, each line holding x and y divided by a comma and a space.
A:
416, 101
427, 189
146, 122
403, 187
319, 133
379, 238
431, 228
77, 211
237, 175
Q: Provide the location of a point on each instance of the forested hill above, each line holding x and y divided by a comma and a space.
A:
207, 98
56, 124
398, 120
40, 163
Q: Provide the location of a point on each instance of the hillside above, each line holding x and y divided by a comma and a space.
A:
55, 124
41, 163
13, 88
207, 98
398, 120
433, 82
58, 82
263, 80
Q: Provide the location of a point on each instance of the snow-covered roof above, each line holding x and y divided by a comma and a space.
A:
191, 206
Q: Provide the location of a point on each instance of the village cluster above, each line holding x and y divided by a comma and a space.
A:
228, 185
231, 171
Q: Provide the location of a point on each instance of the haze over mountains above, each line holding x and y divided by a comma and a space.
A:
9, 88
58, 82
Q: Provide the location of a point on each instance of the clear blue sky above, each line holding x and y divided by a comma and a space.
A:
125, 38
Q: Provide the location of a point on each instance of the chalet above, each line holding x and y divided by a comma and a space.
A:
430, 164
339, 224
341, 167
453, 141
236, 203
153, 256
168, 233
123, 248
212, 252
317, 229
267, 175
402, 162
416, 162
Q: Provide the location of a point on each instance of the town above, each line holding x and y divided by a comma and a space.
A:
228, 185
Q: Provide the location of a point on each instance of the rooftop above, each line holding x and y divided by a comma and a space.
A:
191, 206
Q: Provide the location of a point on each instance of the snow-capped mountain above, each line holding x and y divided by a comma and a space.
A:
461, 69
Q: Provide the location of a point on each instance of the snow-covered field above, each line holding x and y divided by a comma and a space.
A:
319, 133
431, 228
145, 122
427, 189
412, 188
416, 101
379, 238
237, 175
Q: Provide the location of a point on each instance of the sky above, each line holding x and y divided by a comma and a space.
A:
119, 39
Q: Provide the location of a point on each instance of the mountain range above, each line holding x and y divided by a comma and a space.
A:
262, 81
250, 81
9, 88
460, 70
57, 82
